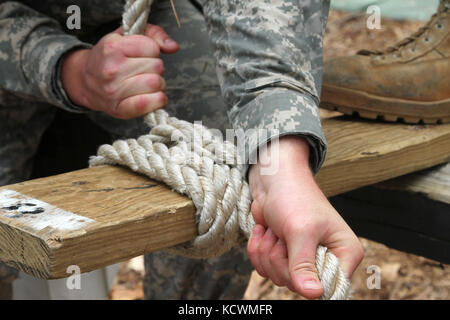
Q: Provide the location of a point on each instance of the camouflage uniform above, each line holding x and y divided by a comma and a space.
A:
257, 63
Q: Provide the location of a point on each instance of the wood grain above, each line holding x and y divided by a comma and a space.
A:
134, 215
362, 152
433, 183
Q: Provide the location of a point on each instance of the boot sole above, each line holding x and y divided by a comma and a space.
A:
368, 106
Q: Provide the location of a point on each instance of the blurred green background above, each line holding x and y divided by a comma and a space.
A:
393, 9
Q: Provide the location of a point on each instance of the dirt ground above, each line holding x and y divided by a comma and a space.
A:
403, 276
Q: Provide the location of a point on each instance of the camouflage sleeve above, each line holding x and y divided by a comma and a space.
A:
269, 62
31, 47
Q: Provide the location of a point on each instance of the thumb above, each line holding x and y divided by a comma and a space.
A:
302, 269
166, 43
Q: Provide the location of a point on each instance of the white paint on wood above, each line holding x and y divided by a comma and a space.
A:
38, 214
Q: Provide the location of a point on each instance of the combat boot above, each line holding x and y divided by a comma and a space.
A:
409, 81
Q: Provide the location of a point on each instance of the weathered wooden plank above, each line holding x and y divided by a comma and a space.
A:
130, 214
433, 182
366, 152
124, 215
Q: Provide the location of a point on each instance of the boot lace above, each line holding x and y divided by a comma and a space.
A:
435, 21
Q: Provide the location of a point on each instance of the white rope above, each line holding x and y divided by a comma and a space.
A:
188, 158
135, 16
192, 161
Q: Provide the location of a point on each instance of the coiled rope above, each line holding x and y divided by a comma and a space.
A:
192, 161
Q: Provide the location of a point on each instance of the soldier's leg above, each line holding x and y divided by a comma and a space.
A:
194, 94
22, 124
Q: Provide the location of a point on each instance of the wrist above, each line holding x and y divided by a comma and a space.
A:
285, 155
293, 176
72, 71
291, 159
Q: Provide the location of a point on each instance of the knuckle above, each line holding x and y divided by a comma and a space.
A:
109, 46
154, 82
305, 266
295, 228
139, 41
355, 252
161, 99
261, 273
252, 249
158, 30
154, 47
140, 103
110, 90
155, 31
310, 228
274, 258
262, 250
159, 66
110, 71
277, 282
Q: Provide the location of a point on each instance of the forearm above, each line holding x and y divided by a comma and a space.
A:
269, 60
32, 46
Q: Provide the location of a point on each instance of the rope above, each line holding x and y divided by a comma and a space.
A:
192, 161
135, 16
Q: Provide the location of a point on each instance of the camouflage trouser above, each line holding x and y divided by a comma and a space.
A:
194, 94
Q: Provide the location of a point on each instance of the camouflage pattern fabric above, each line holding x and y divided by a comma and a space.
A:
242, 64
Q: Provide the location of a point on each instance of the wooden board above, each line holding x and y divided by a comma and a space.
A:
125, 215
434, 183
362, 152
131, 215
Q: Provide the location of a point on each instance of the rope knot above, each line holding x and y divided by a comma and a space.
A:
180, 154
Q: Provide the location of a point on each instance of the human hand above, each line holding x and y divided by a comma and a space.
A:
120, 75
293, 217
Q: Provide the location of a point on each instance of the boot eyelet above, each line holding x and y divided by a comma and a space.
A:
439, 26
426, 40
412, 50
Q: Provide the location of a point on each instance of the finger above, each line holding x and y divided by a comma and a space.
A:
252, 248
266, 245
140, 105
349, 254
302, 247
138, 46
141, 84
166, 43
135, 66
257, 212
280, 263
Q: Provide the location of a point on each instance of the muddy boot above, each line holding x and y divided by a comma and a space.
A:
410, 81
